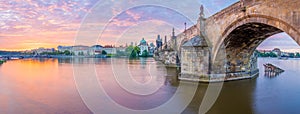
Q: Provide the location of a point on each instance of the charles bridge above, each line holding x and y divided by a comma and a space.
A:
221, 47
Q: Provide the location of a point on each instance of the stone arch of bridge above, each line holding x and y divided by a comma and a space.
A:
240, 39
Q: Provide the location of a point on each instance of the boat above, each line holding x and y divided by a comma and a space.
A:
283, 58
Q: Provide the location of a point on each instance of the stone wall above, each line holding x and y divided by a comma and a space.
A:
195, 62
170, 58
167, 57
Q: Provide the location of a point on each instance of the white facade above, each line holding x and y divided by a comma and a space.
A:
110, 50
151, 49
64, 48
97, 49
143, 46
82, 51
42, 50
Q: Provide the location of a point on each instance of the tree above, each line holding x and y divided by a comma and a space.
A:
137, 49
129, 49
144, 53
271, 54
291, 55
59, 53
297, 55
103, 52
120, 53
133, 54
67, 52
132, 51
81, 53
260, 54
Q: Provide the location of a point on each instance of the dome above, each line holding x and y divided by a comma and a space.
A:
152, 45
143, 42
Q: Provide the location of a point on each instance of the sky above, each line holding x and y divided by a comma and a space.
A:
29, 24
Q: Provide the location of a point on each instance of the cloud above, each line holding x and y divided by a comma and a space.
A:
134, 15
36, 12
46, 22
282, 40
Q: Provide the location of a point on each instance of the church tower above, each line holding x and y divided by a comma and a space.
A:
173, 33
166, 42
158, 42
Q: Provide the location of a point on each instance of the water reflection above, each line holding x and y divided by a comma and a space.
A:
143, 61
272, 71
82, 60
38, 86
48, 86
141, 70
272, 74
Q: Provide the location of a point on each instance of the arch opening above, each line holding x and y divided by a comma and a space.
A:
239, 46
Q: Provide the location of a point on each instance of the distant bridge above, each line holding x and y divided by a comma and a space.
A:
229, 38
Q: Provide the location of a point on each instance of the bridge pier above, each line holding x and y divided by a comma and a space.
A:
196, 64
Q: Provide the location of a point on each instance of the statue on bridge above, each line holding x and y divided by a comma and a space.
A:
201, 11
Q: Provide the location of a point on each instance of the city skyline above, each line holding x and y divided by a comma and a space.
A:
149, 56
31, 24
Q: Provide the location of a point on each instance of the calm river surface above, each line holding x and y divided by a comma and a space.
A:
50, 86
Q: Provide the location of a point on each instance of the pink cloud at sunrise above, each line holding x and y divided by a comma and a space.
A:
39, 23
28, 24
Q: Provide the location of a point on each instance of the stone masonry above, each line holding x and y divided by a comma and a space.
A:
232, 36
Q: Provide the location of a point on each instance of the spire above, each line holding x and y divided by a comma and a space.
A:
173, 32
184, 26
166, 47
166, 39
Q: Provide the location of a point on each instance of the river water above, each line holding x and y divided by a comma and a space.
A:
50, 86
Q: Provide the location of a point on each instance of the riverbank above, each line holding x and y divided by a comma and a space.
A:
2, 61
101, 56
